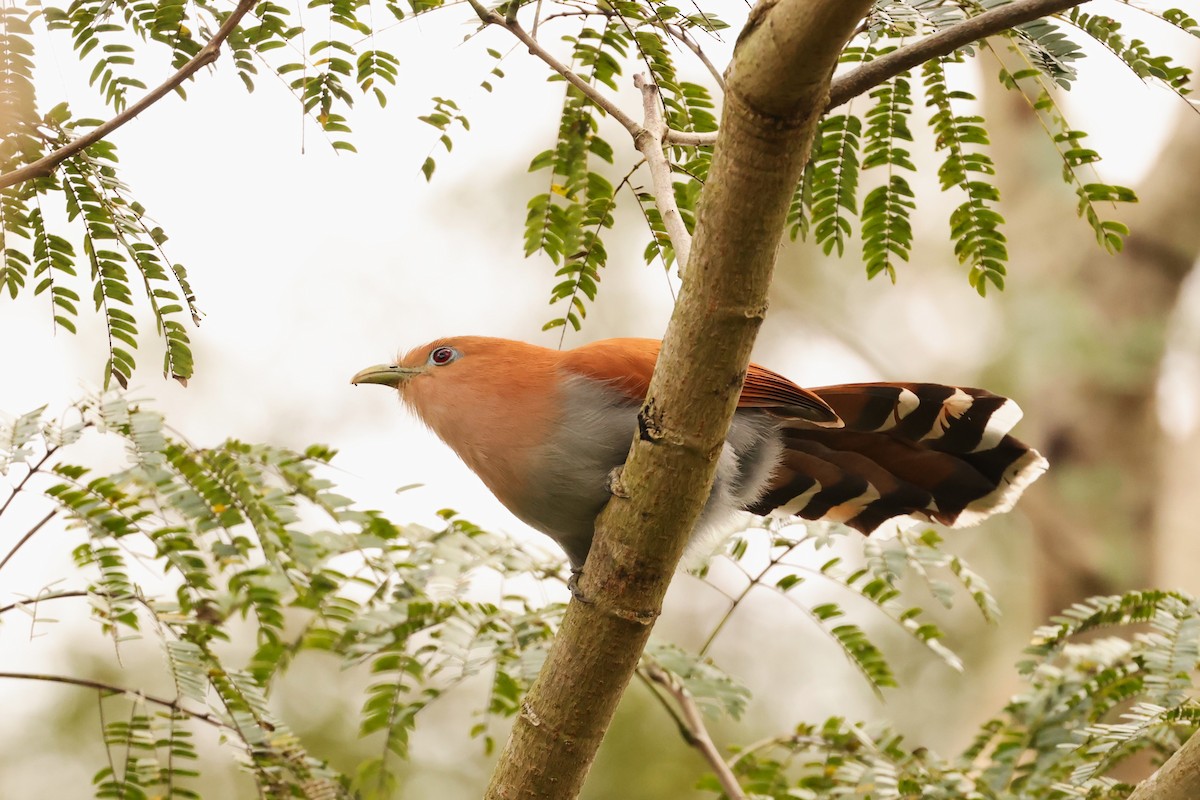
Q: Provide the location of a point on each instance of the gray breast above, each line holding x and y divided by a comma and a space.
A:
593, 438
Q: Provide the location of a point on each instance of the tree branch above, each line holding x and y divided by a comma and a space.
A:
862, 79
32, 471
649, 143
33, 601
1177, 779
693, 722
777, 88
105, 687
207, 55
509, 23
28, 535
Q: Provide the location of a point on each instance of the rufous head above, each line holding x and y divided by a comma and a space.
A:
439, 354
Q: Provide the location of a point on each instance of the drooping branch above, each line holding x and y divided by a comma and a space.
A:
207, 55
647, 137
862, 79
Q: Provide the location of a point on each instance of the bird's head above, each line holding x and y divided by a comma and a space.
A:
442, 354
476, 392
467, 378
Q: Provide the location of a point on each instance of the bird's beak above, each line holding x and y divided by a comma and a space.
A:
386, 375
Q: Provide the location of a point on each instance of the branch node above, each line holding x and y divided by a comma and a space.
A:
614, 484
529, 715
636, 616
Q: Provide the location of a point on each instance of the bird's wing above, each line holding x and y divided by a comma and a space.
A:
766, 389
627, 364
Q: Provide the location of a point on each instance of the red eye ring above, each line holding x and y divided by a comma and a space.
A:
442, 356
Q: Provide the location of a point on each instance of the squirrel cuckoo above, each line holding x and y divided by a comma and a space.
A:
544, 429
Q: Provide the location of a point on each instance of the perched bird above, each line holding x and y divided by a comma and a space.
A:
544, 429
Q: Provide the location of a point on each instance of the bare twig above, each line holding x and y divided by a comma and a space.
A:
861, 80
28, 535
207, 55
33, 601
691, 138
136, 694
32, 471
643, 675
649, 142
691, 44
696, 733
488, 17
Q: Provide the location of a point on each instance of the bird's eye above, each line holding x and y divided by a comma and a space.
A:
442, 356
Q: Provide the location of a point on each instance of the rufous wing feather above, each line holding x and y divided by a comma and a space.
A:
628, 364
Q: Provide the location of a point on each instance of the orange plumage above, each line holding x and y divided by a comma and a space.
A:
544, 429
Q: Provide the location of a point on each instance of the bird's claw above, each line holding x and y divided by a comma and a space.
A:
573, 586
613, 483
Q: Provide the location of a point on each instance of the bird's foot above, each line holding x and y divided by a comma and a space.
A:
613, 483
573, 586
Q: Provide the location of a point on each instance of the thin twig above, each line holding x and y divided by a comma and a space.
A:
642, 674
754, 581
33, 601
649, 141
32, 471
763, 744
207, 55
861, 80
691, 44
28, 535
106, 687
697, 732
488, 17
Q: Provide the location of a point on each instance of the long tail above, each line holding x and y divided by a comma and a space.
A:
908, 449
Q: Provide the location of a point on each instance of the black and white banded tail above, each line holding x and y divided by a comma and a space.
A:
936, 452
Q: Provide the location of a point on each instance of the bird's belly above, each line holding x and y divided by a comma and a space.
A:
569, 485
570, 480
